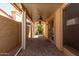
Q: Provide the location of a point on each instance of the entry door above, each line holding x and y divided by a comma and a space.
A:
71, 26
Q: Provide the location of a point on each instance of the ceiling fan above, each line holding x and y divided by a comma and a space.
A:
40, 17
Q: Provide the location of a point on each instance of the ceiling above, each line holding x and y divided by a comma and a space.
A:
43, 9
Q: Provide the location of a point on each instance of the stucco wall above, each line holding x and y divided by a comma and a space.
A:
10, 34
46, 30
58, 29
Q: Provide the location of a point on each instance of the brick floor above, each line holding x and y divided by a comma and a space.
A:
40, 47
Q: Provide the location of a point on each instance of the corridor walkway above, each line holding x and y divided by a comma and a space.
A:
40, 47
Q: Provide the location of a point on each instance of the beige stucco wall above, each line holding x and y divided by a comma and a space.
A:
10, 34
58, 26
58, 29
27, 32
46, 30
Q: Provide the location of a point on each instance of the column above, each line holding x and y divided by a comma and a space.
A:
24, 30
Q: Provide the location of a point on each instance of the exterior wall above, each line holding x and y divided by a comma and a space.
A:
13, 14
50, 29
9, 34
58, 33
27, 32
46, 30
58, 26
44, 25
58, 29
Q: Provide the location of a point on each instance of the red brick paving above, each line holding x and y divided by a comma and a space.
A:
40, 47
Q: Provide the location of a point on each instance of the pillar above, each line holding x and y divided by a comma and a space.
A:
24, 30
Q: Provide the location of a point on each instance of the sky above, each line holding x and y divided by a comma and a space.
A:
7, 7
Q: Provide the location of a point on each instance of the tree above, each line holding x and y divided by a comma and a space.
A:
40, 28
